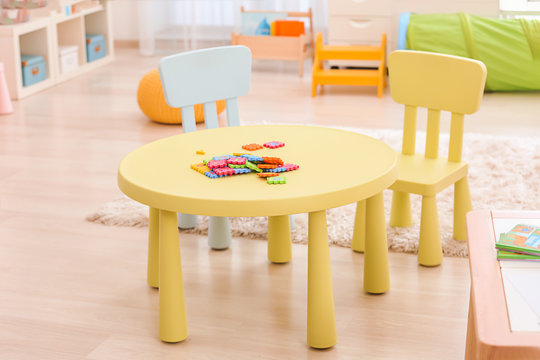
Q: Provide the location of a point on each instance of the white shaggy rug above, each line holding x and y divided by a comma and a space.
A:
504, 174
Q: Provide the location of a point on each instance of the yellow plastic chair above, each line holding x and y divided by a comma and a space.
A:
439, 83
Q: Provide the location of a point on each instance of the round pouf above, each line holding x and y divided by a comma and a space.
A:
152, 102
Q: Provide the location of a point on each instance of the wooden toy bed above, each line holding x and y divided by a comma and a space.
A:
296, 48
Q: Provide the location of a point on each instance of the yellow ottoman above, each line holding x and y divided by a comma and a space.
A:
152, 102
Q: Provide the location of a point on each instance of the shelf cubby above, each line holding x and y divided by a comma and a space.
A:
44, 35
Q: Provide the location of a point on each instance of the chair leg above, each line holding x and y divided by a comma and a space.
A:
187, 221
152, 275
219, 232
313, 89
462, 205
292, 223
400, 213
279, 239
359, 232
429, 245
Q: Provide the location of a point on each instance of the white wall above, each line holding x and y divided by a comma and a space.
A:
125, 19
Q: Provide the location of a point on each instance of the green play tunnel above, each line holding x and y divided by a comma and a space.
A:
510, 48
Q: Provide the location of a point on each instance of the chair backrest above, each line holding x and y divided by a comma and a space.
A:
206, 76
437, 82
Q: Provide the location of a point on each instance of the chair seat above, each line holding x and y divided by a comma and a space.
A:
418, 175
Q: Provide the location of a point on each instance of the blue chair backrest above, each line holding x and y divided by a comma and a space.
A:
205, 76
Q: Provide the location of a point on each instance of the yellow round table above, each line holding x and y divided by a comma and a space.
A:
336, 168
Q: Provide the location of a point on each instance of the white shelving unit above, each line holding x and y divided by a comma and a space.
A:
43, 35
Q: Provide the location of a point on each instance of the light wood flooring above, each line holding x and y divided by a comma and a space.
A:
71, 289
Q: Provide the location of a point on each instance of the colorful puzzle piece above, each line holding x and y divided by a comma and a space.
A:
202, 168
276, 180
251, 147
236, 161
252, 158
274, 144
211, 174
213, 164
277, 170
240, 163
267, 166
291, 167
252, 166
266, 174
224, 171
272, 160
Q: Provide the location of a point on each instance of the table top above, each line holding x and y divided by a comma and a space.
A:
492, 322
337, 167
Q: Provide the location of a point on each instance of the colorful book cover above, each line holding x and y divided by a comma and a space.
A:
524, 239
258, 23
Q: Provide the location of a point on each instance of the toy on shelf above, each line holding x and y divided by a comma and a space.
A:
13, 16
271, 35
362, 77
23, 4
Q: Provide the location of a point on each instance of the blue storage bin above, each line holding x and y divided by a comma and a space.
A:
95, 47
33, 69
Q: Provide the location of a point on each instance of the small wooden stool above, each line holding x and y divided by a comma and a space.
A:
364, 77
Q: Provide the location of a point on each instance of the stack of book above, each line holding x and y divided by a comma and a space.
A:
520, 243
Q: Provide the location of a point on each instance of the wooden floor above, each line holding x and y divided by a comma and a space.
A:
76, 290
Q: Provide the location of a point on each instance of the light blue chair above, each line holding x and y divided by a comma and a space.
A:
205, 76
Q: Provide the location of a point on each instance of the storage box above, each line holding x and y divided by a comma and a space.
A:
95, 47
33, 69
289, 28
68, 58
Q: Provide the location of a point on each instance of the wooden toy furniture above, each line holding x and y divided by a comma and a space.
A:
439, 83
309, 189
296, 48
489, 331
363, 77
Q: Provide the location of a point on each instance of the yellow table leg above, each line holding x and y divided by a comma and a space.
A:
152, 276
376, 273
321, 321
172, 309
359, 232
279, 239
